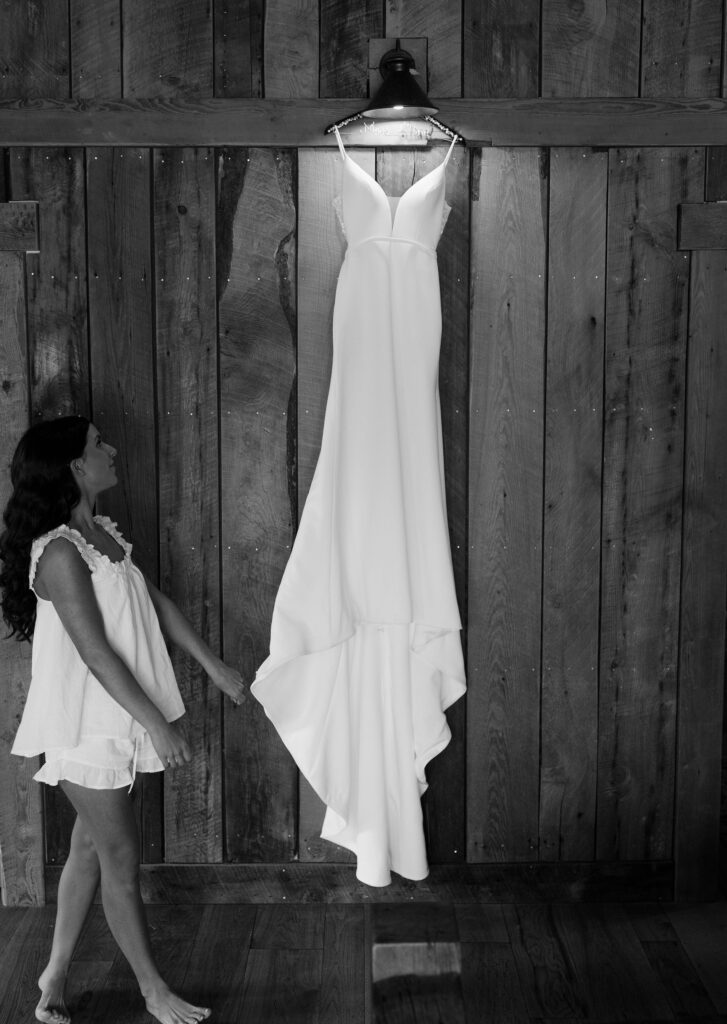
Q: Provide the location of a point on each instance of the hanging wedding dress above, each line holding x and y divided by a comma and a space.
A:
365, 650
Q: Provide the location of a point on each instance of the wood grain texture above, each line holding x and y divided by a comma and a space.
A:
33, 50
18, 226
704, 577
702, 226
95, 28
256, 260
501, 43
480, 922
121, 324
120, 315
459, 883
646, 334
548, 976
702, 931
238, 43
167, 48
685, 992
216, 971
507, 340
57, 313
289, 926
716, 189
663, 121
187, 413
615, 980
21, 828
20, 968
342, 977
321, 247
490, 984
572, 514
282, 985
590, 49
290, 48
346, 26
681, 47
441, 24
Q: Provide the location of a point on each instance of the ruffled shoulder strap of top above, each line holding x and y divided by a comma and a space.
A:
110, 527
40, 543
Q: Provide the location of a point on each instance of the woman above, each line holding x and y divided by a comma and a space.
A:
103, 702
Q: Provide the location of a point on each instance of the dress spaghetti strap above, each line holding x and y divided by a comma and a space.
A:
340, 142
449, 151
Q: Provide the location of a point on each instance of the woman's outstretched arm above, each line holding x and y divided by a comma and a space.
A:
180, 631
63, 578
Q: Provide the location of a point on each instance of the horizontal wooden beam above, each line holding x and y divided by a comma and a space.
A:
613, 882
293, 123
18, 227
702, 226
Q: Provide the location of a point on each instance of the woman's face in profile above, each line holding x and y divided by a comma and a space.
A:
97, 461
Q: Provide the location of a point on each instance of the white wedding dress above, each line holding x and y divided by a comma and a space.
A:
365, 649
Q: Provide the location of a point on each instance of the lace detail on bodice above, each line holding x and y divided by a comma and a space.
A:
337, 204
91, 555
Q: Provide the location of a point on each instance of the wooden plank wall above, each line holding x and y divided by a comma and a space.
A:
184, 298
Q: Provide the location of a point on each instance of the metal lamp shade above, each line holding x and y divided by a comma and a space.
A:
400, 95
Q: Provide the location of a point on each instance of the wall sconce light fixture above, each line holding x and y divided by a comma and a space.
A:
399, 97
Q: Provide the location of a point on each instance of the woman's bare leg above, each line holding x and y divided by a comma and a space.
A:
76, 889
107, 815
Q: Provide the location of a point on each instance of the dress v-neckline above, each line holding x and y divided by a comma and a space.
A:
393, 214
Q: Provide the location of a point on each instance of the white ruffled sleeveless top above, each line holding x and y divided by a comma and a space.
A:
66, 701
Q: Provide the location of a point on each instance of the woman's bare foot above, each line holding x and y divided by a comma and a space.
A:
169, 1008
52, 1006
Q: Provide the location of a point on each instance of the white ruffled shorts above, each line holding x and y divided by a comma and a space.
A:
100, 762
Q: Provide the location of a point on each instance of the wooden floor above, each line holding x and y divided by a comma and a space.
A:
399, 963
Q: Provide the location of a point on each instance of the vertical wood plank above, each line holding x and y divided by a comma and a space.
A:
57, 338
57, 318
507, 328
590, 49
186, 332
704, 576
34, 50
120, 315
238, 45
346, 27
95, 48
643, 470
256, 248
501, 41
681, 47
444, 803
342, 976
291, 48
321, 247
21, 825
167, 48
441, 24
572, 514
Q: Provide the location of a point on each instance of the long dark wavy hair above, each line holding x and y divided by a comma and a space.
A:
44, 495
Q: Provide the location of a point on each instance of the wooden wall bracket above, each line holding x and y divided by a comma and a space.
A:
294, 123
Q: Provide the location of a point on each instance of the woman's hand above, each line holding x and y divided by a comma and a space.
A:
170, 744
229, 681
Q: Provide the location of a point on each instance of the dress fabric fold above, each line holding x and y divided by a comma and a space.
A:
365, 649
